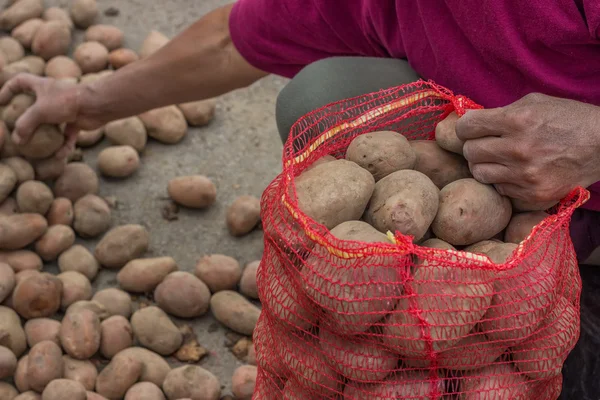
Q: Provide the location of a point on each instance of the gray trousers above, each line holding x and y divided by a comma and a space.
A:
340, 78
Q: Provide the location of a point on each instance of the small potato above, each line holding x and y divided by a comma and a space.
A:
121, 245
20, 377
192, 382
77, 180
144, 391
19, 12
57, 239
121, 57
154, 41
183, 295
37, 296
11, 48
60, 67
7, 281
144, 274
91, 305
60, 212
248, 281
155, 368
495, 382
118, 161
91, 57
195, 191
521, 224
243, 215
79, 259
128, 131
25, 32
83, 12
52, 39
80, 334
234, 311
219, 272
9, 207
83, 372
17, 106
8, 180
92, 216
165, 124
28, 395
21, 260
199, 113
22, 168
404, 201
118, 376
61, 389
116, 302
46, 140
8, 363
334, 192
34, 197
8, 391
76, 287
58, 14
117, 335
154, 330
470, 212
243, 382
49, 169
42, 329
45, 364
441, 166
89, 138
110, 36
35, 64
445, 134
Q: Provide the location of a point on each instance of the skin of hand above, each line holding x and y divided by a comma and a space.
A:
198, 64
536, 149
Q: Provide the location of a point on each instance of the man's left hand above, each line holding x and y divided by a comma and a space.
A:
537, 149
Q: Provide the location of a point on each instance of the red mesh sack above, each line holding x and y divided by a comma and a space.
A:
385, 318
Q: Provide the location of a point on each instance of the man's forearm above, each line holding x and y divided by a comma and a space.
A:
199, 63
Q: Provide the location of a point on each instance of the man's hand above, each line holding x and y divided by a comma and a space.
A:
536, 149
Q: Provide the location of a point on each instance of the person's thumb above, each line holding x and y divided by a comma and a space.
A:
26, 125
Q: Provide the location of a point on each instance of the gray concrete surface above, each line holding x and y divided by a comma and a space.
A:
240, 150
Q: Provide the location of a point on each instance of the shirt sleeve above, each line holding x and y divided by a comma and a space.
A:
283, 36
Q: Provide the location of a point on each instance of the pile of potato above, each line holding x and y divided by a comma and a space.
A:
375, 324
59, 338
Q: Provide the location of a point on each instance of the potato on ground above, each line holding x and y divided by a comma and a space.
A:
118, 161
142, 275
8, 363
78, 259
8, 391
144, 391
80, 334
154, 330
51, 39
42, 329
199, 113
50, 168
83, 12
17, 107
154, 367
121, 245
353, 292
243, 215
234, 311
116, 302
22, 168
191, 382
183, 295
445, 134
7, 281
118, 376
60, 212
117, 335
19, 12
496, 382
110, 36
8, 180
76, 287
54, 241
127, 131
58, 14
77, 180
89, 138
60, 67
414, 384
405, 201
441, 166
195, 191
521, 224
154, 41
165, 124
25, 32
91, 57
358, 358
44, 364
91, 305
34, 197
81, 371
61, 389
470, 212
243, 382
44, 142
248, 281
92, 216
121, 57
11, 49
219, 272
37, 296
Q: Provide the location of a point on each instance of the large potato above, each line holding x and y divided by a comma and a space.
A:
44, 142
34, 197
118, 161
118, 376
445, 134
91, 57
42, 329
521, 224
7, 281
8, 363
195, 191
60, 389
234, 311
110, 36
243, 215
22, 168
144, 391
80, 334
154, 330
154, 41
334, 192
19, 12
84, 12
154, 367
54, 241
127, 131
470, 212
498, 381
78, 259
116, 302
77, 180
117, 335
121, 57
405, 201
76, 287
199, 113
191, 382
248, 281
165, 124
441, 166
8, 180
82, 371
45, 364
142, 275
92, 216
60, 212
25, 32
121, 245
411, 385
354, 292
183, 295
61, 67
37, 296
219, 272
381, 153
243, 382
51, 39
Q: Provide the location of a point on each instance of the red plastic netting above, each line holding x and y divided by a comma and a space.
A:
355, 320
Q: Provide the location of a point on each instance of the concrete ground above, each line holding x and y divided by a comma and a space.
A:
240, 151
